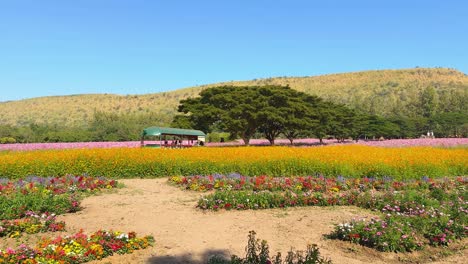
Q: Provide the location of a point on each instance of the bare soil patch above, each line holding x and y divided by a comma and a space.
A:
185, 234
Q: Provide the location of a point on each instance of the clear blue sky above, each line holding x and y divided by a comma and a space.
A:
131, 47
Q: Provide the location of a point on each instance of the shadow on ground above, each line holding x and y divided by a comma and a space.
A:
188, 258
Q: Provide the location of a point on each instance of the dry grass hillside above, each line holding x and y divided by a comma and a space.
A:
382, 92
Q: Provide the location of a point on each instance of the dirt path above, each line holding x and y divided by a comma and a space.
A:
184, 234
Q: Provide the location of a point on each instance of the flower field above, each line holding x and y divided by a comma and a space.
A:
413, 214
349, 160
392, 143
436, 142
418, 194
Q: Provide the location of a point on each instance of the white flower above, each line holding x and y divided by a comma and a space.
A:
122, 236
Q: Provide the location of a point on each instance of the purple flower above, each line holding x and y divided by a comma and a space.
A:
234, 175
340, 178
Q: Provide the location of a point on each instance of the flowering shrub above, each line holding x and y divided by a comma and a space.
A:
410, 229
77, 248
349, 160
31, 224
384, 235
51, 194
16, 205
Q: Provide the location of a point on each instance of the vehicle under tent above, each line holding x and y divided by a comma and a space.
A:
168, 137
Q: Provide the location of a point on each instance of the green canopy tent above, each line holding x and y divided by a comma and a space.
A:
163, 132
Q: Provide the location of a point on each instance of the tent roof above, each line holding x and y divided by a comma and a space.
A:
158, 131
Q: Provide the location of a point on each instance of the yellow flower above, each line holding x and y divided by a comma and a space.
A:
176, 179
14, 234
32, 229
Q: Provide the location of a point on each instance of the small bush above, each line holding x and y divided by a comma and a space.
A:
257, 252
216, 137
7, 140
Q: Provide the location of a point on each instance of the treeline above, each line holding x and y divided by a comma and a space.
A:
261, 111
275, 111
102, 127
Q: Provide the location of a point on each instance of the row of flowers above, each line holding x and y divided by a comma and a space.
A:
31, 224
412, 214
319, 183
348, 160
56, 185
444, 142
77, 248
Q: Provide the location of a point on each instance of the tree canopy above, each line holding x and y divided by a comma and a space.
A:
243, 111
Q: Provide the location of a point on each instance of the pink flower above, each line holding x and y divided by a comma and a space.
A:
379, 233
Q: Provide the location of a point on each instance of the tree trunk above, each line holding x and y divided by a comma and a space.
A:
321, 141
271, 137
291, 140
246, 140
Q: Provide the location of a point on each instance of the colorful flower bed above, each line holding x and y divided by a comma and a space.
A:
56, 185
235, 181
17, 204
77, 248
56, 195
412, 213
350, 160
31, 224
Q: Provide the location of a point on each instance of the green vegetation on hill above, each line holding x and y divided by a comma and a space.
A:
383, 92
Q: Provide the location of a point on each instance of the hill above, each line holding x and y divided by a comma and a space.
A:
381, 92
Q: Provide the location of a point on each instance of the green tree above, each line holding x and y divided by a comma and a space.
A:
243, 111
288, 112
302, 117
324, 120
428, 102
450, 124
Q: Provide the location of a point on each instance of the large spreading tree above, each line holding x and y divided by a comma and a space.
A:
243, 111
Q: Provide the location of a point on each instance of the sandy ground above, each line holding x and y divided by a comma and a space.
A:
185, 234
